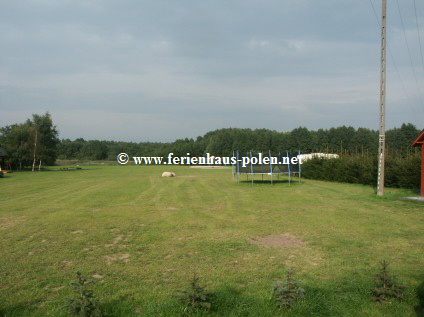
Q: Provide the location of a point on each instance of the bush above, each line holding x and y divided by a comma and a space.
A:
399, 171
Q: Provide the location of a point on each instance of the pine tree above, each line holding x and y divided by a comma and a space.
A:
386, 286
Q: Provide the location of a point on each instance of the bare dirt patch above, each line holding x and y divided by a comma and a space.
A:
172, 208
7, 222
118, 238
54, 289
282, 240
67, 263
91, 248
121, 257
98, 276
116, 241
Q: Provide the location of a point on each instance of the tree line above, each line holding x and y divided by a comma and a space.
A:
36, 142
32, 143
222, 142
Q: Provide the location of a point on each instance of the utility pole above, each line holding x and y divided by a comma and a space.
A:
382, 133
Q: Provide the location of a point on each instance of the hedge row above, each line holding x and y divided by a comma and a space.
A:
399, 171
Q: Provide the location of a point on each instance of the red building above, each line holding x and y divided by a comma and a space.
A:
420, 142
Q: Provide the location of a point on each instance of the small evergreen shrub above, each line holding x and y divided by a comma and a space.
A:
195, 298
287, 292
386, 286
84, 303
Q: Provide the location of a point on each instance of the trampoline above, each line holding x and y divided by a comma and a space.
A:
255, 163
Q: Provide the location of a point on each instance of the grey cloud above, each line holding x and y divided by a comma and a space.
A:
183, 68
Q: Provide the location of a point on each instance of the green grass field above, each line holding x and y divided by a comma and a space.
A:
142, 237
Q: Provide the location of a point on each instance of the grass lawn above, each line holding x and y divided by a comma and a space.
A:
142, 237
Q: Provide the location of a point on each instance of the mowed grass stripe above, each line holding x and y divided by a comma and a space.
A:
146, 236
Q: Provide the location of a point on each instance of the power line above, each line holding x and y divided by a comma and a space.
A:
392, 59
419, 35
409, 51
375, 13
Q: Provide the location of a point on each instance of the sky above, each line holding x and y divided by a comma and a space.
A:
161, 70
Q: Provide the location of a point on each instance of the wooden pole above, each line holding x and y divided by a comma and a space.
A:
382, 133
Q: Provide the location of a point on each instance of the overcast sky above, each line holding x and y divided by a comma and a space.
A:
160, 70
